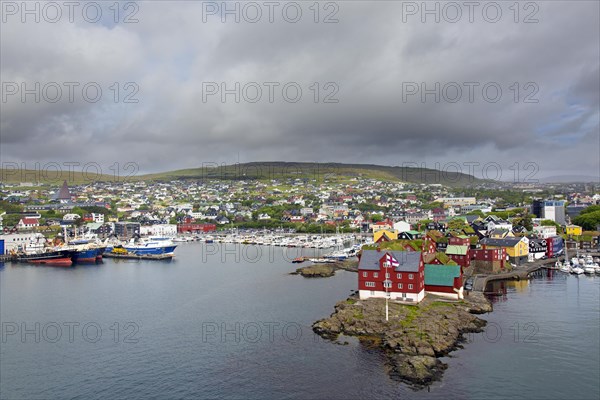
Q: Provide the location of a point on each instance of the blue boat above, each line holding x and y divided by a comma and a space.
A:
150, 246
85, 251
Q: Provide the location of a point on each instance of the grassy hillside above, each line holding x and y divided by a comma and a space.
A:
261, 171
319, 171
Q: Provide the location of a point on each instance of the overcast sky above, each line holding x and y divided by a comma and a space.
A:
373, 61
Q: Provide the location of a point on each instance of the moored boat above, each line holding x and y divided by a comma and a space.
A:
153, 246
58, 258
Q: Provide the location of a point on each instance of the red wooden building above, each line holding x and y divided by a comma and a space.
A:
397, 274
491, 260
444, 280
459, 241
196, 228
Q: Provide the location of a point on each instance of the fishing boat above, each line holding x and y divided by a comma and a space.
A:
58, 258
152, 245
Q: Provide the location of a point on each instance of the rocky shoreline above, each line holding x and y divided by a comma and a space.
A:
326, 270
415, 336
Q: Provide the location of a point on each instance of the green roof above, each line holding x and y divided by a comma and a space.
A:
457, 250
441, 275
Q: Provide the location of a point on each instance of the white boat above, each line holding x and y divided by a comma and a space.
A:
589, 269
577, 270
563, 267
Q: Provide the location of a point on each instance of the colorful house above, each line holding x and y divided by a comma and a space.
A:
444, 280
28, 223
537, 248
460, 254
517, 249
437, 258
398, 275
459, 240
574, 230
410, 235
489, 260
382, 225
385, 235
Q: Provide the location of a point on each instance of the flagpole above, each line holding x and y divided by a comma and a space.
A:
386, 306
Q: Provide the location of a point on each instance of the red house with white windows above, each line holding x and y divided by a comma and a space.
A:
399, 275
459, 241
28, 223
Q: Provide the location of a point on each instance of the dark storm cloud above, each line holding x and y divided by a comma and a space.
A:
369, 55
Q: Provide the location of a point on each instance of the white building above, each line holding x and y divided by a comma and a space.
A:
456, 201
70, 217
402, 226
545, 231
23, 241
163, 230
98, 218
554, 210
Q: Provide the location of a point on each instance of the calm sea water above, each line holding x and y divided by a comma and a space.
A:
223, 323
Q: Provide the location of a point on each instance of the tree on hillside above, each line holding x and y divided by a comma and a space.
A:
524, 221
588, 220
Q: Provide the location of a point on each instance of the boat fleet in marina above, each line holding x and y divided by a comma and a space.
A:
579, 265
87, 249
335, 247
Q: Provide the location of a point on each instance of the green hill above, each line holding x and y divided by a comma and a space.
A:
260, 171
319, 171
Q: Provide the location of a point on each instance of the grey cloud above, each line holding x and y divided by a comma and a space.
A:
368, 54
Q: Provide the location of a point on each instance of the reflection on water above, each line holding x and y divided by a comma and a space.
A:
497, 291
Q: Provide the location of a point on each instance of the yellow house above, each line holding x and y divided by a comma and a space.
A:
574, 230
385, 235
517, 248
501, 233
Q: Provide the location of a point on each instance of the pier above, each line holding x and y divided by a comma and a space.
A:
519, 273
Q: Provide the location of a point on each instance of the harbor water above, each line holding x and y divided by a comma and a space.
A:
230, 322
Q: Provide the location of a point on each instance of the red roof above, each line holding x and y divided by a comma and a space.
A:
30, 221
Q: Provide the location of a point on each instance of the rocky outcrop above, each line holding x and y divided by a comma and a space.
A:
316, 271
415, 335
326, 270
